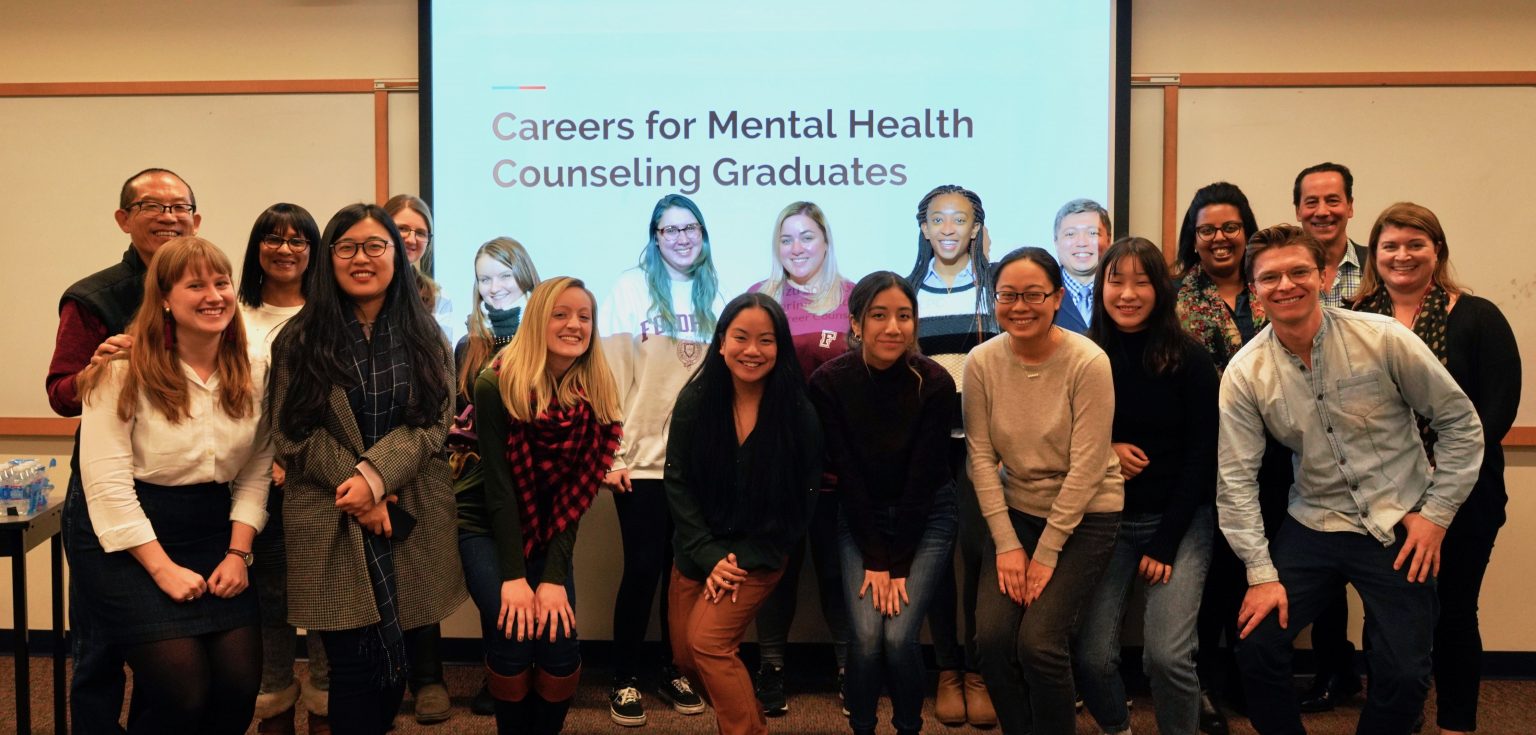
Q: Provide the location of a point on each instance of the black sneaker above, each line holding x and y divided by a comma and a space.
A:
676, 691
483, 704
770, 690
624, 706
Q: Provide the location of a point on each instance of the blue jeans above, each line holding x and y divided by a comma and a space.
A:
888, 650
1026, 656
508, 656
1401, 617
1168, 629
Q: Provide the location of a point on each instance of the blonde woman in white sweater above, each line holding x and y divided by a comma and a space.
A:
656, 324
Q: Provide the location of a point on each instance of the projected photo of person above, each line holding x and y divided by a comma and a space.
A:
814, 295
950, 277
657, 323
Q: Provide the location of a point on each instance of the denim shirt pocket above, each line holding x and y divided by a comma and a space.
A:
1362, 395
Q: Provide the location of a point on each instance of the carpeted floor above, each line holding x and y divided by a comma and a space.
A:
1507, 708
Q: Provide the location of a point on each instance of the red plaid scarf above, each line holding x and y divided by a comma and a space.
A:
558, 461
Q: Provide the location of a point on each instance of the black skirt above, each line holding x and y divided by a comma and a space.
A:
191, 523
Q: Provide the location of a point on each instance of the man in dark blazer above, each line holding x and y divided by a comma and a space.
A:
1081, 232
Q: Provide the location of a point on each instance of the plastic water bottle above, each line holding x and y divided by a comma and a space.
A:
24, 486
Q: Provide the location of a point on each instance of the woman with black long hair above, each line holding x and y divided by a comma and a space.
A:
743, 467
886, 413
1165, 437
362, 398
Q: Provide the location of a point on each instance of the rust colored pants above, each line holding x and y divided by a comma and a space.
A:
705, 638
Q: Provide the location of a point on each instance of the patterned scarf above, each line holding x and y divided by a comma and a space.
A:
558, 461
1206, 317
378, 400
1429, 324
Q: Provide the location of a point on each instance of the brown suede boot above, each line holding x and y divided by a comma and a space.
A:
978, 704
949, 702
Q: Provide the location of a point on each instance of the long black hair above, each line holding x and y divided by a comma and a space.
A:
1166, 339
767, 501
318, 349
1211, 195
981, 268
275, 220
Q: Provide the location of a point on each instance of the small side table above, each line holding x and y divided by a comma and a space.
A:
18, 535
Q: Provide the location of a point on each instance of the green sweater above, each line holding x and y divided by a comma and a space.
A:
696, 548
491, 421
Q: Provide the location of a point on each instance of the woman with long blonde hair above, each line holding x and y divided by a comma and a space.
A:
176, 465
549, 426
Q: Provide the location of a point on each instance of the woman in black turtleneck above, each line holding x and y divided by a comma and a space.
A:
1165, 436
504, 275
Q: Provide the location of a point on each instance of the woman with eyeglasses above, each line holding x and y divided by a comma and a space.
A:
1217, 306
1407, 275
657, 322
362, 397
413, 218
806, 282
1039, 405
272, 290
950, 277
744, 456
175, 468
1164, 434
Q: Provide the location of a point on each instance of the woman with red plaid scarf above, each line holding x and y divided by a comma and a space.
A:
549, 425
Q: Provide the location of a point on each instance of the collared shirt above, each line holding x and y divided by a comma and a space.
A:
1360, 466
1081, 293
206, 446
1347, 283
964, 278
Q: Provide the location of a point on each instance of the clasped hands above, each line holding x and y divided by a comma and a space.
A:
1021, 578
355, 498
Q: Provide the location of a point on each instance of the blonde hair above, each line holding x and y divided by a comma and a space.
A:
480, 346
827, 282
1417, 217
153, 366
527, 388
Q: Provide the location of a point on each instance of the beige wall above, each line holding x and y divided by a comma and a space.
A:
76, 40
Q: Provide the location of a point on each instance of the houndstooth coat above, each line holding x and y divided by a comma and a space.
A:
328, 586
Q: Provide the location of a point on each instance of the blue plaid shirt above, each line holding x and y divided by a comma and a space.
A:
1081, 293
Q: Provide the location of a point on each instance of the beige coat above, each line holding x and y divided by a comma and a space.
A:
328, 586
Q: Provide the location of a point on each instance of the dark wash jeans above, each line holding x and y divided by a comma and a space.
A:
1312, 564
1025, 655
509, 656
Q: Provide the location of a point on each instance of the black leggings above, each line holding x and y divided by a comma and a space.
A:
645, 525
205, 684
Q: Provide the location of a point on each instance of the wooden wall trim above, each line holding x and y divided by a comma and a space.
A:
240, 86
381, 145
1359, 79
1170, 170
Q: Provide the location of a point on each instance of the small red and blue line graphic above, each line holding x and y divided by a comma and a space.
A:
518, 87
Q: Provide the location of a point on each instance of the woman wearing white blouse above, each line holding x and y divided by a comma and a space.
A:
175, 463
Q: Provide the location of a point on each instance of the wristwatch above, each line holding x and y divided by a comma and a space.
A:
245, 556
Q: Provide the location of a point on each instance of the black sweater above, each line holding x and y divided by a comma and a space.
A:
887, 434
1173, 419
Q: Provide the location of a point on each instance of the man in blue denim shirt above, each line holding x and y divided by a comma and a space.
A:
1341, 389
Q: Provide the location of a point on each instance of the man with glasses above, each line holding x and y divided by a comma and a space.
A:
1081, 232
1324, 197
154, 206
1342, 390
